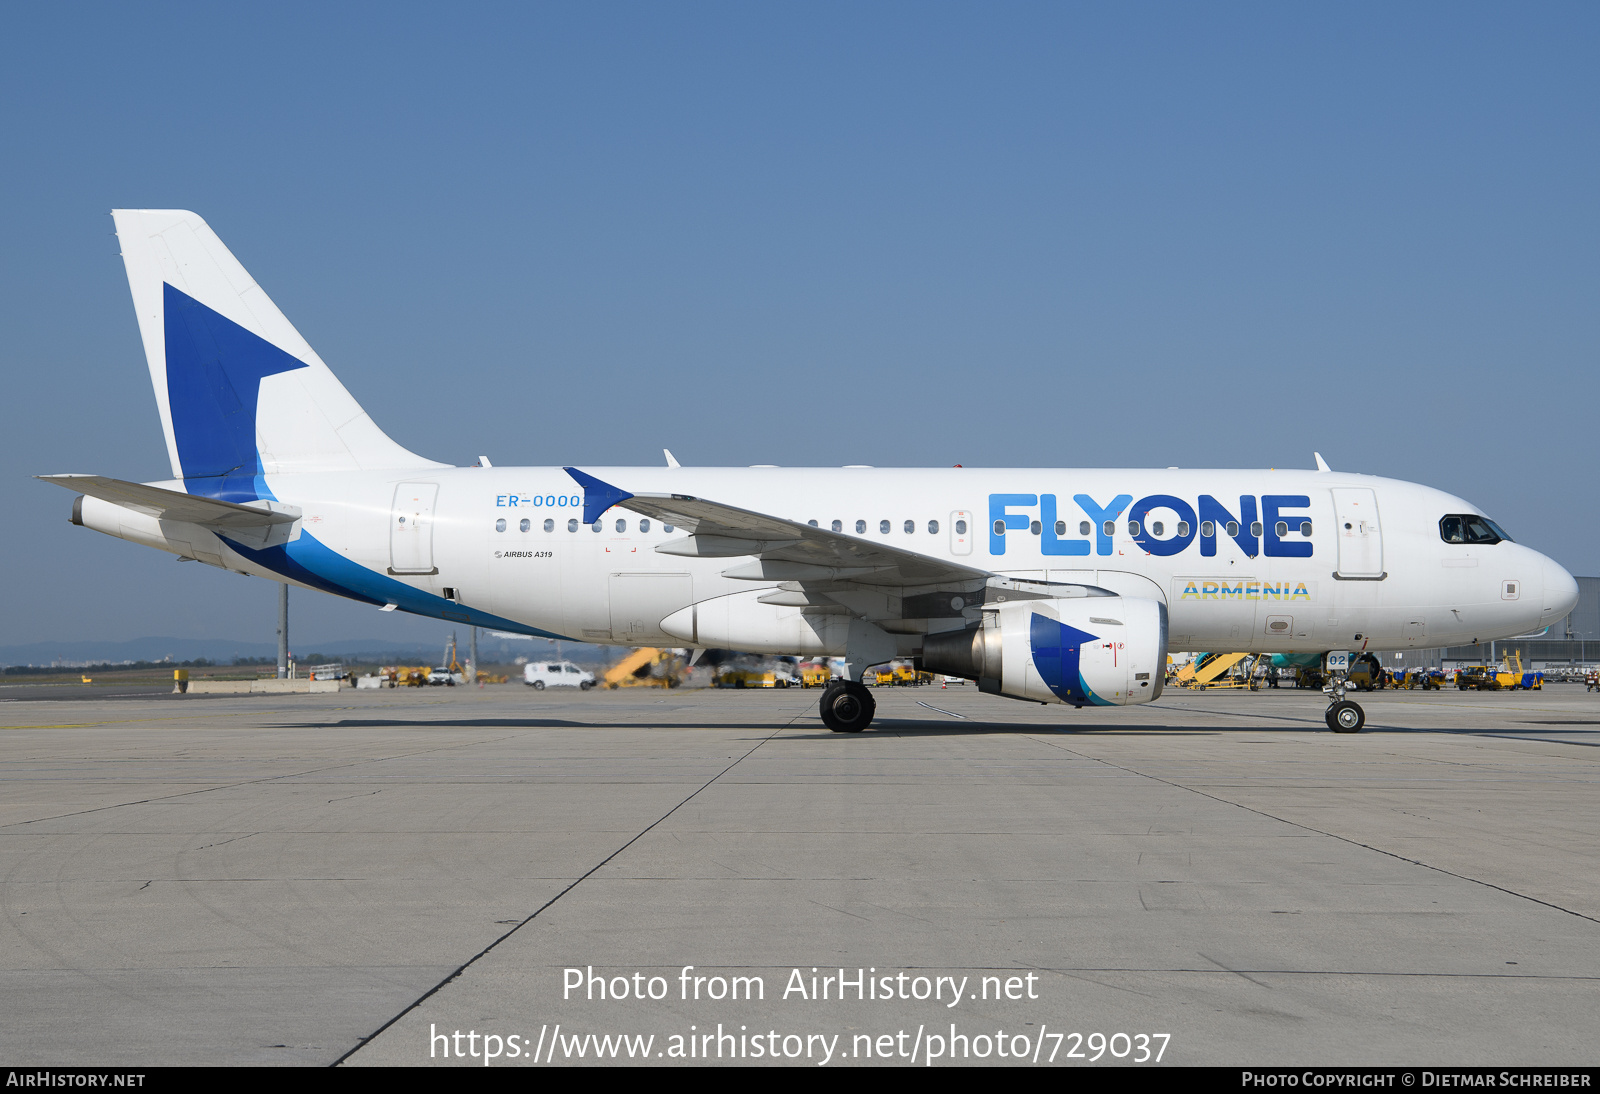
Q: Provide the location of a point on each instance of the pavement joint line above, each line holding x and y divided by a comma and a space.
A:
1332, 835
253, 782
465, 965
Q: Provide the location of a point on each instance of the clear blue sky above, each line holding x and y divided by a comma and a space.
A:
898, 234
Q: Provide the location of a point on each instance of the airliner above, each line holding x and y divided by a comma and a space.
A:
1053, 586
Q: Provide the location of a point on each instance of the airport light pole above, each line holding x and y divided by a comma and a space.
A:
283, 631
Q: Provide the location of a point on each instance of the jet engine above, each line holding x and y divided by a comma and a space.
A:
1092, 651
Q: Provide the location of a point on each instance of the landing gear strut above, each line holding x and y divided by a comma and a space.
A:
1343, 716
847, 706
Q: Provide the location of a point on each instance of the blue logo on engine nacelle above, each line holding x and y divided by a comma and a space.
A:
1064, 532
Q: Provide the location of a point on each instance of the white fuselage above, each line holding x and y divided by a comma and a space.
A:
1385, 580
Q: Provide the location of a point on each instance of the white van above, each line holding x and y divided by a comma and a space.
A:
556, 674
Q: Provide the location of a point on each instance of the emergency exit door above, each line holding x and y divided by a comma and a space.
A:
411, 528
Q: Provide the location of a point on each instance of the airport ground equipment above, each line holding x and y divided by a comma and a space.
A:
1210, 670
1366, 672
735, 677
1512, 676
1425, 679
406, 676
815, 675
647, 666
1477, 678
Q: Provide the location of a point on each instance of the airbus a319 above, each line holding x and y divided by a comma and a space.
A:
1056, 586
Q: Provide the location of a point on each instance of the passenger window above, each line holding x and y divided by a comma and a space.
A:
961, 527
1183, 529
812, 523
1305, 528
644, 525
572, 525
622, 526
861, 527
1158, 529
883, 527
933, 527
1232, 528
1255, 528
666, 527
597, 525
1281, 528
549, 525
838, 526
1110, 528
1061, 527
1035, 528
911, 526
1133, 528
999, 527
1083, 527
1208, 528
500, 525
526, 524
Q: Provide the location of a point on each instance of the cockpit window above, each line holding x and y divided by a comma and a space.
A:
1469, 528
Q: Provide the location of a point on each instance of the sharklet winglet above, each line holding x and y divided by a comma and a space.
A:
597, 496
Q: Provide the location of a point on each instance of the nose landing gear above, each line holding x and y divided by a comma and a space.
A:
1342, 716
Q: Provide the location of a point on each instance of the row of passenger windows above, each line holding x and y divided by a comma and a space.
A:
1159, 528
886, 526
526, 525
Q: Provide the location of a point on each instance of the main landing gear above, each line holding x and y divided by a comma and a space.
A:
1343, 716
847, 706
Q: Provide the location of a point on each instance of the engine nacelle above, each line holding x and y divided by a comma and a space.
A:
1100, 651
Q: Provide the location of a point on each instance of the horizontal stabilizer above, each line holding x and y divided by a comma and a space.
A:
164, 504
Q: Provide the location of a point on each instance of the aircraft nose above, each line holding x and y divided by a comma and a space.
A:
1560, 591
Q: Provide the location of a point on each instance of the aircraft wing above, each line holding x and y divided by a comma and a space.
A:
784, 550
164, 504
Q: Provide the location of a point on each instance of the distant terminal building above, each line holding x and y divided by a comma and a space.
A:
1572, 642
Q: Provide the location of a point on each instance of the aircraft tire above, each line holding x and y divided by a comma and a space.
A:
1346, 717
847, 707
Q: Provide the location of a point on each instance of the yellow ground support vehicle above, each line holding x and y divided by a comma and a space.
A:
814, 675
1511, 675
899, 674
747, 678
1477, 678
1211, 670
406, 676
645, 667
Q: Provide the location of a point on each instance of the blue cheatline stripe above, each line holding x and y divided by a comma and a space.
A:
311, 562
1056, 651
214, 373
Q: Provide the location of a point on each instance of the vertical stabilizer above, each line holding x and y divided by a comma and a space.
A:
240, 392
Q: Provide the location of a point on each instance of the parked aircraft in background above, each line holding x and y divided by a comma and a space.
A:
1063, 586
